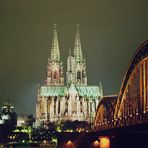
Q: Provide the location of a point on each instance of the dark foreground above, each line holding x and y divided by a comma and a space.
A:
128, 137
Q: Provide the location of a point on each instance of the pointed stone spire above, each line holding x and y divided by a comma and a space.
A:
69, 52
101, 89
70, 62
55, 53
77, 46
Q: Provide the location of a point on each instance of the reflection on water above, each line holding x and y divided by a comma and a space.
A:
26, 146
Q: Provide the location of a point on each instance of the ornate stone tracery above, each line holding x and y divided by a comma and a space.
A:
73, 101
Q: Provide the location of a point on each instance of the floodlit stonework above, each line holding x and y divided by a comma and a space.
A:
75, 100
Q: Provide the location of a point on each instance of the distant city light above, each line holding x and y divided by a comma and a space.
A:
69, 144
104, 142
96, 144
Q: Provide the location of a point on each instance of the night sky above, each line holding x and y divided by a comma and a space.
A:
111, 31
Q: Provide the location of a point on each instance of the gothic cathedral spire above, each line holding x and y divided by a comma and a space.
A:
76, 65
55, 65
77, 46
55, 53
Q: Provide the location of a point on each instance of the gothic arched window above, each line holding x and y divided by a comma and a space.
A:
83, 74
55, 76
78, 75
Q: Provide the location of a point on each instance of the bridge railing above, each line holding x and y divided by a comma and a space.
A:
122, 122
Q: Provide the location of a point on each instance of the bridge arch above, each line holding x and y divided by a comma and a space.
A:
105, 112
132, 102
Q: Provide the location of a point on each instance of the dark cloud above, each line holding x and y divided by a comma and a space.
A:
111, 31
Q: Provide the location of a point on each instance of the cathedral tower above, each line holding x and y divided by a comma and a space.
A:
76, 65
55, 66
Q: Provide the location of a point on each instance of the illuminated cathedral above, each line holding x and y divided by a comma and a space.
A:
59, 100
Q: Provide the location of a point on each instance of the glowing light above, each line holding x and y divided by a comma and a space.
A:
54, 140
24, 130
1, 121
96, 144
58, 129
5, 117
104, 142
17, 130
69, 130
70, 144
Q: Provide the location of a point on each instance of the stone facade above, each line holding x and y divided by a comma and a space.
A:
76, 100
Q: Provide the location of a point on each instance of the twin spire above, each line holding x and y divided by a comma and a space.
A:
77, 46
55, 52
76, 66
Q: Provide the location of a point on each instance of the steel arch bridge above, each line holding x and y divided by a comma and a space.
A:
105, 112
131, 106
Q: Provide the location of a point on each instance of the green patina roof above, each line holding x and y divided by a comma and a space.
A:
52, 91
89, 91
84, 91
